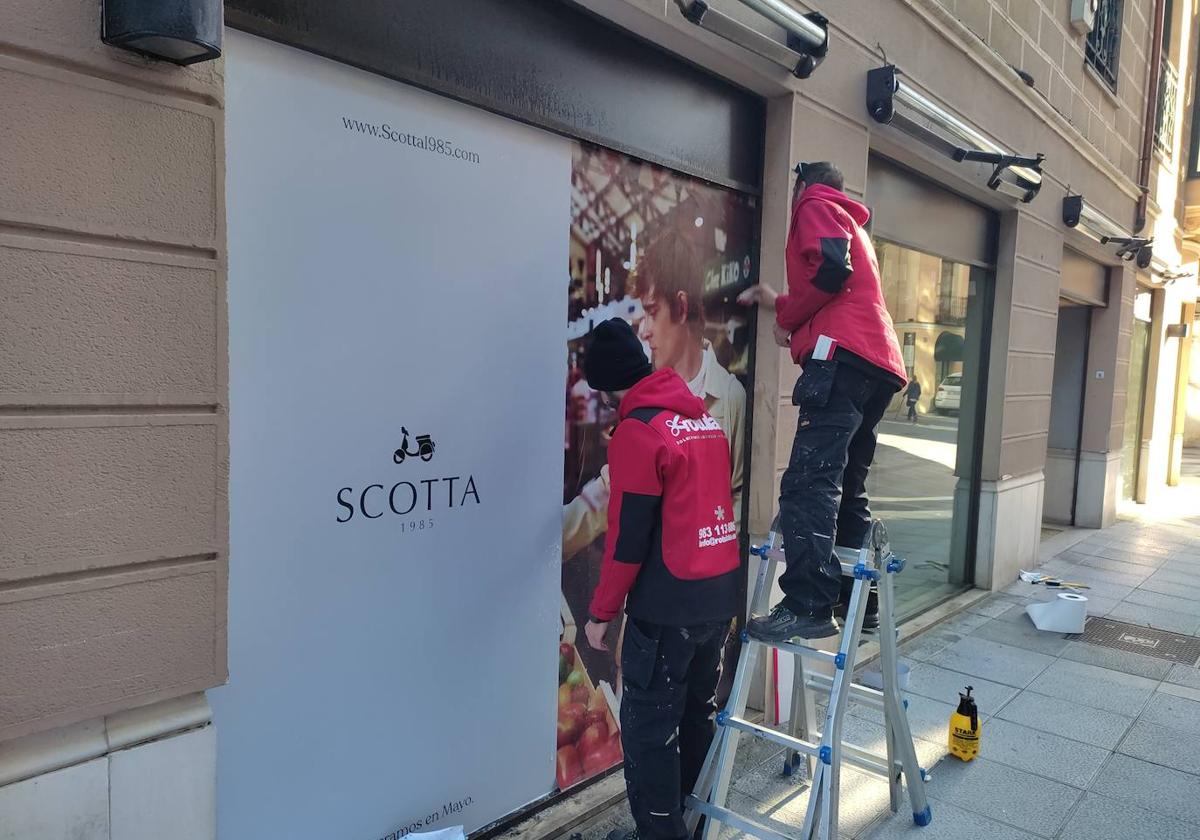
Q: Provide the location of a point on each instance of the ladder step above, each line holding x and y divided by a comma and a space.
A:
729, 818
798, 650
864, 694
773, 735
854, 755
867, 761
846, 556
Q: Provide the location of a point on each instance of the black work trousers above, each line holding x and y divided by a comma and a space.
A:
823, 494
668, 703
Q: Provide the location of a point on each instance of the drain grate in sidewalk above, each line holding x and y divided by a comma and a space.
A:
1136, 639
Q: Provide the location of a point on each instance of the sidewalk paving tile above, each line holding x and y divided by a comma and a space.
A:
1100, 688
863, 799
1168, 747
943, 684
1185, 675
1101, 818
1021, 799
765, 781
1184, 568
1092, 574
1117, 660
929, 719
994, 606
1179, 579
1152, 556
752, 752
1025, 636
990, 660
1174, 622
1179, 691
1123, 567
1178, 713
1016, 614
1162, 601
964, 623
1171, 792
949, 823
1049, 755
1190, 591
1065, 718
928, 644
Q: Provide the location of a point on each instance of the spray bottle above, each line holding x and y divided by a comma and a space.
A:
964, 728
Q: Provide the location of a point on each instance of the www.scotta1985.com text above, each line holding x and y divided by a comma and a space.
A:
428, 143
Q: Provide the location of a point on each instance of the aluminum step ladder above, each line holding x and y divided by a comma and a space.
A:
823, 749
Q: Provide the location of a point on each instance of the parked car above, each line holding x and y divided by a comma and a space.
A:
949, 394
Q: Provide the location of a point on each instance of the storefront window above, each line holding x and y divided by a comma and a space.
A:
922, 483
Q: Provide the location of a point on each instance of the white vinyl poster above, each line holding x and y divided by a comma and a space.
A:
396, 296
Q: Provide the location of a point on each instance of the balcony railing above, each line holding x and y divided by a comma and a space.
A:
1164, 121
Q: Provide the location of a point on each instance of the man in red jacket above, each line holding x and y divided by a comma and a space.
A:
835, 321
671, 557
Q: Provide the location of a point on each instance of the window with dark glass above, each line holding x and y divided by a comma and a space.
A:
1104, 41
1168, 90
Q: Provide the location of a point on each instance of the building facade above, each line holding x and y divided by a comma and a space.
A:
1056, 376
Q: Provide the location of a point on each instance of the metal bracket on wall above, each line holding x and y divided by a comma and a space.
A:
807, 34
1081, 216
891, 102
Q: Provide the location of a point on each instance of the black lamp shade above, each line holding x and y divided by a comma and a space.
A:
179, 31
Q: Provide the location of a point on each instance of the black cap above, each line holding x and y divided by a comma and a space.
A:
615, 359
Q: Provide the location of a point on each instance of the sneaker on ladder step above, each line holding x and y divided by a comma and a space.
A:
782, 624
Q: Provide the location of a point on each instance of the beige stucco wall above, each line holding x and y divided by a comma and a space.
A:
113, 381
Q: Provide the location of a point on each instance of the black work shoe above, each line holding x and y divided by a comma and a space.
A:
783, 624
870, 620
622, 834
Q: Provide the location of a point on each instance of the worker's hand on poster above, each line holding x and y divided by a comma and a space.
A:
758, 293
595, 632
782, 337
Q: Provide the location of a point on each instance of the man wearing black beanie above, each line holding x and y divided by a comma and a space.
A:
671, 556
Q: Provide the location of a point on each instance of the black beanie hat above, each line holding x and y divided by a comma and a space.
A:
615, 359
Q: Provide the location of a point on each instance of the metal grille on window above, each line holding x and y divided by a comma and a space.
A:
1164, 121
1104, 41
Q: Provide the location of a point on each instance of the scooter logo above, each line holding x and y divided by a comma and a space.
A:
424, 448
414, 498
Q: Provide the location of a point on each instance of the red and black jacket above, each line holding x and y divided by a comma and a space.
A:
833, 284
672, 543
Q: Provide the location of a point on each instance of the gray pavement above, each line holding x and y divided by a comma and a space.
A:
1079, 742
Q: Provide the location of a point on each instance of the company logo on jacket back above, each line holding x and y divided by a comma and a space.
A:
678, 425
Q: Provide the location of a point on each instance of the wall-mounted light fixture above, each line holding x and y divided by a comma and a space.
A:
891, 102
1078, 214
180, 31
1168, 275
807, 34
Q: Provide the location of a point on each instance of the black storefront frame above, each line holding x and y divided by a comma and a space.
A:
579, 99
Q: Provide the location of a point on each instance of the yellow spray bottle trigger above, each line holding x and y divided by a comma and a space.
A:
964, 728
